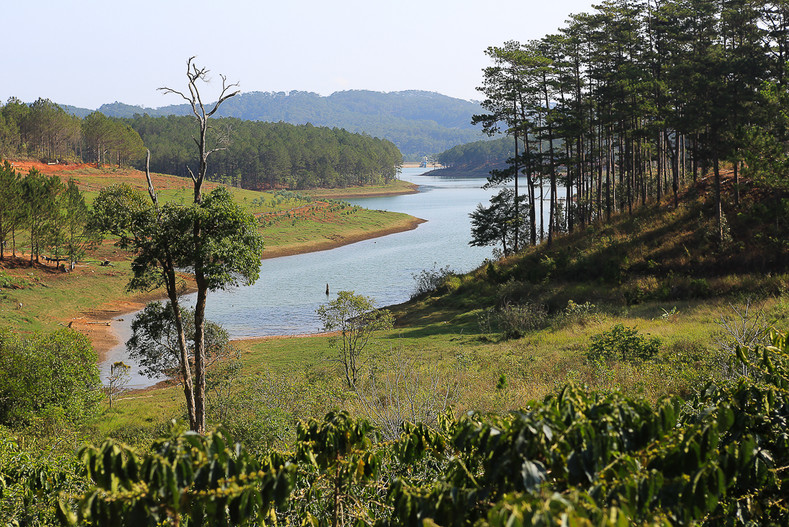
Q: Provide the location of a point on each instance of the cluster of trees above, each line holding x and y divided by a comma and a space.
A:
53, 213
110, 141
44, 130
253, 155
258, 155
478, 153
625, 104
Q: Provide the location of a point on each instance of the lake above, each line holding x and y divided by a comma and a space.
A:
284, 299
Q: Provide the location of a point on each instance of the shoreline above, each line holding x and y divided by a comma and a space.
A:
96, 324
326, 244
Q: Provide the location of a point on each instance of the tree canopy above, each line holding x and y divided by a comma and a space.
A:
626, 104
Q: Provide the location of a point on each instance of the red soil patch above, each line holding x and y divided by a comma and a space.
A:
112, 174
61, 169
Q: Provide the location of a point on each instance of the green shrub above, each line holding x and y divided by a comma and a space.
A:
11, 282
635, 295
515, 320
700, 288
578, 313
622, 343
452, 283
430, 280
492, 273
48, 378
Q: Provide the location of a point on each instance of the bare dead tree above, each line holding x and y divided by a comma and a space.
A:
406, 388
196, 75
745, 328
117, 381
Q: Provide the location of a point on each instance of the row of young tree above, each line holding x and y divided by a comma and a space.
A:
626, 104
52, 214
255, 155
259, 155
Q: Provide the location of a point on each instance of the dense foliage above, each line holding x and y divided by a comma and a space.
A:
51, 377
576, 458
626, 104
261, 155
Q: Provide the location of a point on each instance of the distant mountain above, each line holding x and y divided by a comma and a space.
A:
420, 123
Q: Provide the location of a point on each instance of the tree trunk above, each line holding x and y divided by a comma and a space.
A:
186, 370
718, 205
517, 172
736, 186
200, 358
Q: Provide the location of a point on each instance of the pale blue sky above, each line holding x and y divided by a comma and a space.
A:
90, 52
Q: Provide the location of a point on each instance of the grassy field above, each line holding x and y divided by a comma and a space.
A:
453, 353
396, 187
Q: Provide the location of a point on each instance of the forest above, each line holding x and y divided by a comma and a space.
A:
252, 155
261, 155
631, 102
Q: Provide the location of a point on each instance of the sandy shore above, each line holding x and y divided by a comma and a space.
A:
96, 324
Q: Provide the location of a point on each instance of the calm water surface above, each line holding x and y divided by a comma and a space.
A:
290, 289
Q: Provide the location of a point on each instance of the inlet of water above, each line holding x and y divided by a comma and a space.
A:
285, 298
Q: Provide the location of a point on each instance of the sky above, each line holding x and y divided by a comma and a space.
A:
87, 53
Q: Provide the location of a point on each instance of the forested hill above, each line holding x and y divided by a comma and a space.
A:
271, 155
477, 158
418, 122
253, 154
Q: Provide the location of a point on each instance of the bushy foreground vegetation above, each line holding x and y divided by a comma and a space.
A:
47, 379
577, 457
